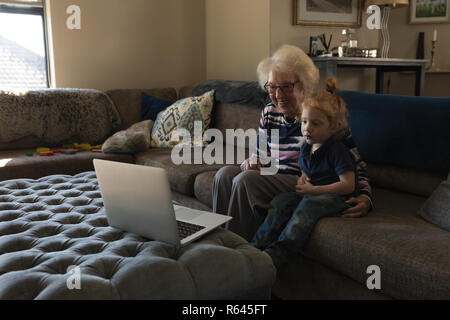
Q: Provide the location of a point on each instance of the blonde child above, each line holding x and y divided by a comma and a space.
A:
328, 179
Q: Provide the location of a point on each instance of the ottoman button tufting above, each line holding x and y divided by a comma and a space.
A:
9, 215
38, 216
13, 228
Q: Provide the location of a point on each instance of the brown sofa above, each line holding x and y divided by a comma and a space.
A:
412, 254
52, 118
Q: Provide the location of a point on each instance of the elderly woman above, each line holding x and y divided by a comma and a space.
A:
242, 192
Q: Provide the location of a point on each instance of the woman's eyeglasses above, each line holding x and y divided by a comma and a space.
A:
285, 88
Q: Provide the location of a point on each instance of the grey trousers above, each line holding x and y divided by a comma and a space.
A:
246, 196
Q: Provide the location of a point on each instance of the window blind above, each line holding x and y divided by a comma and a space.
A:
27, 3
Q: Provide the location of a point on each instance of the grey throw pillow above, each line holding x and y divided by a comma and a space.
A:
136, 138
436, 209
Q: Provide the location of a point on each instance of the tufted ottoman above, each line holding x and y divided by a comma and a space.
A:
55, 243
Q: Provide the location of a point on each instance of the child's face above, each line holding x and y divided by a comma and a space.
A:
315, 126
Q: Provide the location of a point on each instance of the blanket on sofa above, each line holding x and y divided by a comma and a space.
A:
57, 116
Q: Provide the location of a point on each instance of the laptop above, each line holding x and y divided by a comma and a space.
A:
137, 199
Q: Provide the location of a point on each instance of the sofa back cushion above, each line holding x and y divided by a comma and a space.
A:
401, 130
128, 102
418, 182
51, 117
236, 116
238, 105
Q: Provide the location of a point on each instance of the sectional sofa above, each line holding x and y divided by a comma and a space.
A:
404, 141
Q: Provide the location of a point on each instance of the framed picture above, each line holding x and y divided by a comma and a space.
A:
336, 13
429, 11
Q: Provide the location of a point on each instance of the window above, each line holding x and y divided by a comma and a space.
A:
23, 52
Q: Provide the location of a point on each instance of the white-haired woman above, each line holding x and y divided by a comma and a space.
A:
242, 192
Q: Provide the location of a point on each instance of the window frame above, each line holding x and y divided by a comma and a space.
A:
31, 9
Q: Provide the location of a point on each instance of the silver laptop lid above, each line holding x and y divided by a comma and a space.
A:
126, 189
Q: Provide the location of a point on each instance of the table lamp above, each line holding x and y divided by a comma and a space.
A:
387, 5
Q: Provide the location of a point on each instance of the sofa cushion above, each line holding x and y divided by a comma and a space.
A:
182, 115
185, 92
401, 130
418, 182
151, 106
234, 92
247, 96
411, 253
135, 139
15, 164
436, 209
128, 102
181, 177
226, 117
57, 116
203, 187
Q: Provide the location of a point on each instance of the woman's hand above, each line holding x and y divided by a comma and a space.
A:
251, 163
360, 207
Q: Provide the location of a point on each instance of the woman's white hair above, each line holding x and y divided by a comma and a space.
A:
290, 58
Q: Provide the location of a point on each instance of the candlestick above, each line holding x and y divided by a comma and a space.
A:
433, 47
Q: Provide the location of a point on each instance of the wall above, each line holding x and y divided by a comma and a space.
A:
240, 33
173, 43
129, 44
237, 38
283, 31
404, 38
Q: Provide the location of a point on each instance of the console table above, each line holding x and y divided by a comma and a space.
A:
330, 65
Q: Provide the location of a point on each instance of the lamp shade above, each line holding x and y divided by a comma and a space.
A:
392, 3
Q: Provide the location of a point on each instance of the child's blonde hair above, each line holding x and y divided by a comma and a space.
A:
332, 105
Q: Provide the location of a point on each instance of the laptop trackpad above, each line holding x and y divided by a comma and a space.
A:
184, 213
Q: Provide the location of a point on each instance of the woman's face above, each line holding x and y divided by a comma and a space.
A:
285, 91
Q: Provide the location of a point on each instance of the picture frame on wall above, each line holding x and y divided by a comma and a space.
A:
429, 11
336, 13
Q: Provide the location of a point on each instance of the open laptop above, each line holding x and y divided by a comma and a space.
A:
137, 199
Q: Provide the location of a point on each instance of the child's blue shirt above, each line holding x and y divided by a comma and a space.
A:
325, 165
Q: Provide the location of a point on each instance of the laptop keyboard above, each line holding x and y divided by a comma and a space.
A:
186, 229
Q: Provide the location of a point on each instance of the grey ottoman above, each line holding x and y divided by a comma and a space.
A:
55, 243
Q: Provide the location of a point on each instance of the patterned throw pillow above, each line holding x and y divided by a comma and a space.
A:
182, 114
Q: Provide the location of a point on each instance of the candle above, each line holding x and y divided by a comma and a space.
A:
435, 35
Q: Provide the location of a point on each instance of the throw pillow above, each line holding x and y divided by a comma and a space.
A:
136, 138
151, 106
182, 114
436, 209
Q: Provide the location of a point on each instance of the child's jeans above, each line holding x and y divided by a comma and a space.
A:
290, 221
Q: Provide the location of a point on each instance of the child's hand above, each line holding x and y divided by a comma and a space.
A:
306, 188
303, 179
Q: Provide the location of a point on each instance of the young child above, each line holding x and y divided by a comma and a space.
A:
328, 179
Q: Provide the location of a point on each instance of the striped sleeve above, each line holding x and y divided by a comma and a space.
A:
361, 168
261, 127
